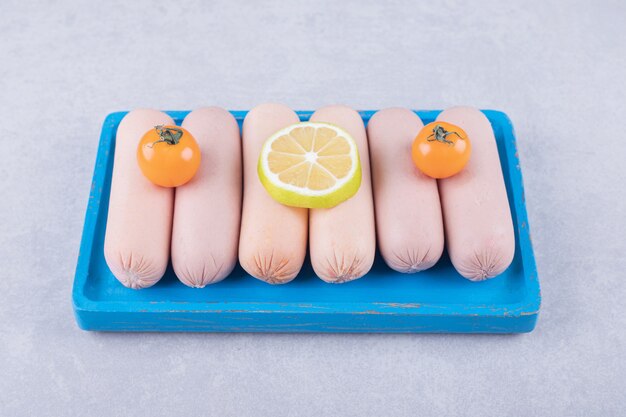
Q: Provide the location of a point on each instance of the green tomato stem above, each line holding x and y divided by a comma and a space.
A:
169, 135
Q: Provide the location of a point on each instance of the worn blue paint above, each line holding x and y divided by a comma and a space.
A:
437, 300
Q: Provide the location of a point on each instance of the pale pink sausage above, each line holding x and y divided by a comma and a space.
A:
207, 210
409, 227
477, 217
343, 239
137, 241
272, 243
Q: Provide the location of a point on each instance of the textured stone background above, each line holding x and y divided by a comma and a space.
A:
557, 69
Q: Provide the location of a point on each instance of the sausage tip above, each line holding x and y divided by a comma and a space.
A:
485, 261
414, 258
206, 270
339, 268
270, 268
134, 270
334, 113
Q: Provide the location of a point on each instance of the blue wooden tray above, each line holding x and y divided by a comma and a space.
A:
437, 300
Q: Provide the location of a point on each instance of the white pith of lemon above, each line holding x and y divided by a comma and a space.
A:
310, 164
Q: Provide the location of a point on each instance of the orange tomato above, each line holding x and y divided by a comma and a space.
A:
441, 149
168, 156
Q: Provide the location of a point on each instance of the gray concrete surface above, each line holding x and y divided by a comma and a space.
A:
557, 68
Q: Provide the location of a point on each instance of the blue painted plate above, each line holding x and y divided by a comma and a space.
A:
436, 300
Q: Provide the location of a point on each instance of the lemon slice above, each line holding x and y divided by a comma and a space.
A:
310, 164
